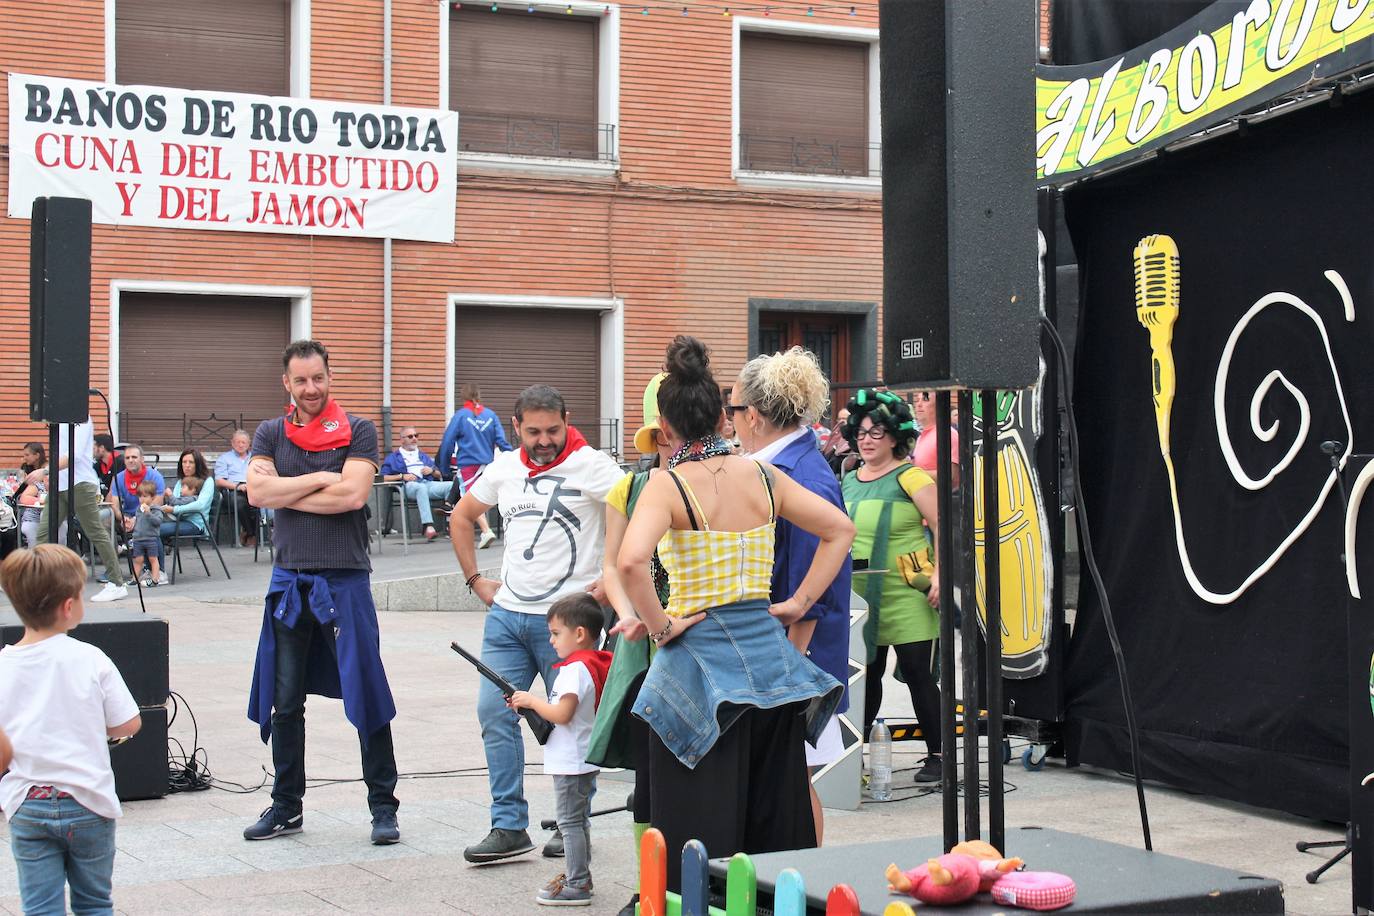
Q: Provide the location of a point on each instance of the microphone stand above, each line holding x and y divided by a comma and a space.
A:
1332, 449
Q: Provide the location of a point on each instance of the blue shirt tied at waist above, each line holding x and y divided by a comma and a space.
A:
346, 664
703, 681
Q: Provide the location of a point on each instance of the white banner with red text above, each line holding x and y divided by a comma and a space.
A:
152, 156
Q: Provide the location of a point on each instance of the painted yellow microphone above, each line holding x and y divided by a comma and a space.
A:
1156, 308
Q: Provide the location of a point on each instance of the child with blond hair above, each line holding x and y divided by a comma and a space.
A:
60, 701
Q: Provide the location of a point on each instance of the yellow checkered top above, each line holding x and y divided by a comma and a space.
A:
710, 568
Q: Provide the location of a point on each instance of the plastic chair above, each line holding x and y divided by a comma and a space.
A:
194, 539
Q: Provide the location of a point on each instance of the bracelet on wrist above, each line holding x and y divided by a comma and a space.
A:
662, 634
471, 579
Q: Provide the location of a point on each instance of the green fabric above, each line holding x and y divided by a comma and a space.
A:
609, 745
887, 523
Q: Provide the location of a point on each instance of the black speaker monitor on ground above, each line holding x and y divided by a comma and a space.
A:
960, 285
60, 310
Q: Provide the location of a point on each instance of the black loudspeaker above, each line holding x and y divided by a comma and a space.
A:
136, 643
140, 764
960, 287
60, 310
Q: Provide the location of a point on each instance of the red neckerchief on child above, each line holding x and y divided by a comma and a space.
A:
473, 406
598, 664
131, 482
575, 442
329, 430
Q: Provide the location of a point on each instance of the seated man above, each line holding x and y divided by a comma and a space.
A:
123, 498
231, 474
108, 463
423, 480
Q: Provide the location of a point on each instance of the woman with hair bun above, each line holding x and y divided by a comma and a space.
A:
729, 700
774, 402
892, 501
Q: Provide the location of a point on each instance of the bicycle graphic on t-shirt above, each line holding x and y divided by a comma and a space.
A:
561, 517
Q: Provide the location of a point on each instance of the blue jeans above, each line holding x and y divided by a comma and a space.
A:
422, 491
181, 527
517, 647
54, 841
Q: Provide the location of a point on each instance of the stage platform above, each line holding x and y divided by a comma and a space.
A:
1111, 878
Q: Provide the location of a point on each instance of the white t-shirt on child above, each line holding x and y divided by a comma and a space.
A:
565, 753
57, 698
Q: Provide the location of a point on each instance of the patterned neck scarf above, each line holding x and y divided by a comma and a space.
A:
712, 446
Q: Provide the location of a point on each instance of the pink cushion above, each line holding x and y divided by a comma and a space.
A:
1034, 890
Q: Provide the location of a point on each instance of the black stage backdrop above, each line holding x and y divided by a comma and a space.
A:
1244, 700
1084, 31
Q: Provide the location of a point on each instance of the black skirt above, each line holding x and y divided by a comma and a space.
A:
749, 793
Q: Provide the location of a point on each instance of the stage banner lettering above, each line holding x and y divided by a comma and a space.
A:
1226, 410
173, 158
1219, 64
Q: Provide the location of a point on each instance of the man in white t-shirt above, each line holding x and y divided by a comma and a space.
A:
551, 493
85, 497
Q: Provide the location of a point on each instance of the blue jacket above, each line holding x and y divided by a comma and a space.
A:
351, 669
792, 553
736, 658
471, 438
396, 464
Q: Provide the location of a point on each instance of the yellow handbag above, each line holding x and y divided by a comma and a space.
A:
916, 568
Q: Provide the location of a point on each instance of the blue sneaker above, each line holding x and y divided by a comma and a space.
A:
273, 824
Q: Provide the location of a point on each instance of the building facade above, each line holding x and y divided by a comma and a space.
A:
626, 173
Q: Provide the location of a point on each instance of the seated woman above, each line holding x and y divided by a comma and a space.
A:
184, 516
730, 701
31, 493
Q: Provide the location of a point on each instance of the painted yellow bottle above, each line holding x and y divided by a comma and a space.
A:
1023, 544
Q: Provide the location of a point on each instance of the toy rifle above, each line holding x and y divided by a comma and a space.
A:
541, 727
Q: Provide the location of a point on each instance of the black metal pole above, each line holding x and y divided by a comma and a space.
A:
968, 631
51, 500
992, 587
71, 480
945, 566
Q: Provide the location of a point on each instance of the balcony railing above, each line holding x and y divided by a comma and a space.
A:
810, 155
512, 135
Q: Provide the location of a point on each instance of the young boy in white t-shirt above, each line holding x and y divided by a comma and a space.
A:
60, 700
575, 623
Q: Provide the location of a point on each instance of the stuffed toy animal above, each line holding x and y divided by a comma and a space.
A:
991, 865
952, 878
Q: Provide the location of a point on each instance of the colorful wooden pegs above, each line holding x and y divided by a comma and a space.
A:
741, 886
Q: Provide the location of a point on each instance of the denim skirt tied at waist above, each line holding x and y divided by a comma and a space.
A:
738, 657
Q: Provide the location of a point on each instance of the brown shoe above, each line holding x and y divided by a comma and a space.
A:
250, 540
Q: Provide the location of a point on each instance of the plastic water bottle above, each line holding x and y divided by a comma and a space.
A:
880, 762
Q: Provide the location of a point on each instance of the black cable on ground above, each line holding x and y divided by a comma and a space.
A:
190, 772
1090, 560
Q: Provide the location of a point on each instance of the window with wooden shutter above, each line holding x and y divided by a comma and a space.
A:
505, 350
237, 46
191, 368
525, 84
803, 105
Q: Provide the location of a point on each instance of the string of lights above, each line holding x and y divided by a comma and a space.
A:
675, 9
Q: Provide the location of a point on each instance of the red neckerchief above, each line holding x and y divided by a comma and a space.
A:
131, 482
575, 442
107, 463
329, 430
598, 664
473, 406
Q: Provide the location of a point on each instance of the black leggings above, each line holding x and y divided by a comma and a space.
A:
916, 660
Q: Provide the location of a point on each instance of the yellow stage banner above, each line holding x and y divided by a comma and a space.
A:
1206, 71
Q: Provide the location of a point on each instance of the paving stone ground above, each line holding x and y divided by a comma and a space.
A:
185, 853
